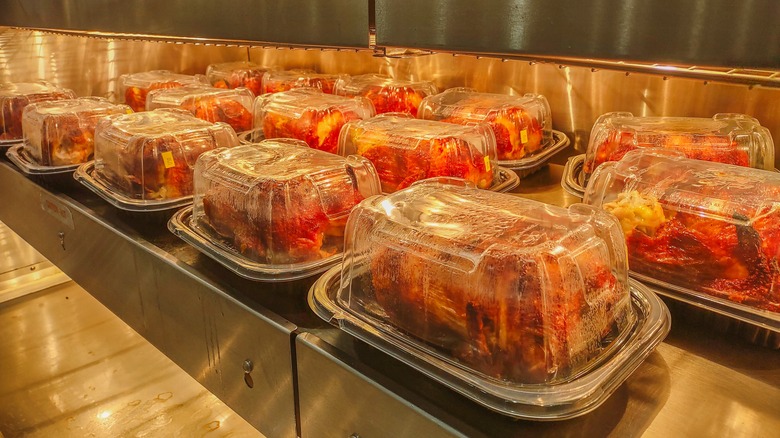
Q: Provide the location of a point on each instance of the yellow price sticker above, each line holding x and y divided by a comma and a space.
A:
487, 164
524, 136
168, 159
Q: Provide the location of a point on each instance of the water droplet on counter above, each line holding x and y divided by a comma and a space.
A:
214, 425
165, 396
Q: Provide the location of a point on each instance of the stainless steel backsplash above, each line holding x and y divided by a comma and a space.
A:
577, 95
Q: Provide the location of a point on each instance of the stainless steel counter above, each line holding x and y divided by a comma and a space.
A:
312, 378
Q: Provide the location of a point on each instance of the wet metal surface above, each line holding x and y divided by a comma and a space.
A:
72, 368
23, 270
15, 253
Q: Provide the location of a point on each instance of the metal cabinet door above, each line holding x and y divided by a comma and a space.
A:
337, 400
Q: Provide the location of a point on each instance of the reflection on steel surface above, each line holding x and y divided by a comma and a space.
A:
92, 66
72, 368
23, 270
577, 94
306, 22
713, 32
29, 279
15, 253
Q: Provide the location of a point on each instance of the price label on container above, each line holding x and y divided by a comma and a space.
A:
487, 164
524, 136
168, 161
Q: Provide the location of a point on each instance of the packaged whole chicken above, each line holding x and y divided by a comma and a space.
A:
309, 115
61, 132
404, 150
135, 86
237, 74
149, 156
725, 138
513, 289
522, 124
275, 81
709, 231
387, 94
278, 202
523, 307
233, 107
14, 97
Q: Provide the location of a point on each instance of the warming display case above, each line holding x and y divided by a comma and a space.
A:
292, 367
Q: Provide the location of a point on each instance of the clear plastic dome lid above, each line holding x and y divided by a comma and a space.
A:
522, 124
707, 229
278, 202
150, 155
135, 86
387, 94
726, 138
33, 91
237, 74
283, 80
309, 115
14, 97
61, 132
510, 290
233, 106
404, 149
